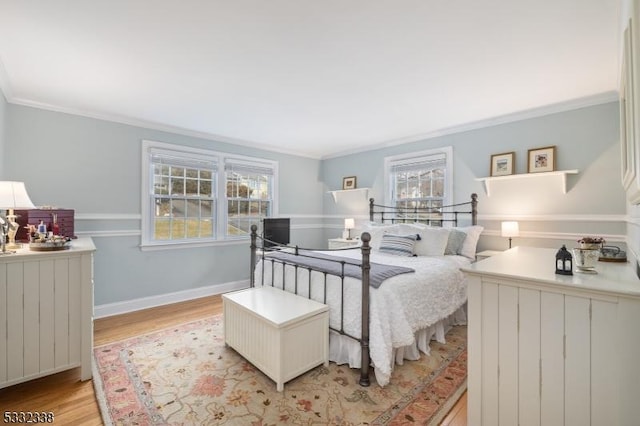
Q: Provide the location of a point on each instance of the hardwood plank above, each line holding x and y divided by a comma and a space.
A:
458, 414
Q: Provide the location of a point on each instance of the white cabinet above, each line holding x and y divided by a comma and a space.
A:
46, 312
338, 243
546, 349
486, 253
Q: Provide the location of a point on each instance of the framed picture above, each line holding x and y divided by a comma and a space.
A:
502, 164
349, 182
542, 159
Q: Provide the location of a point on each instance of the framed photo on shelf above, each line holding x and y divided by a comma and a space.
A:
502, 164
542, 160
349, 182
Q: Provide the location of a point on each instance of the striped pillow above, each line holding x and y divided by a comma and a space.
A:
400, 245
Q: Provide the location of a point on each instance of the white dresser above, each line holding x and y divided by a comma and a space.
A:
46, 312
547, 349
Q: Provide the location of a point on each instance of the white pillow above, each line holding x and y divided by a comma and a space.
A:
377, 231
470, 243
433, 240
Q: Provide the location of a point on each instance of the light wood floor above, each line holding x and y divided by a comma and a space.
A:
73, 402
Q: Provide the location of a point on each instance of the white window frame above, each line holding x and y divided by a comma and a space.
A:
220, 196
414, 157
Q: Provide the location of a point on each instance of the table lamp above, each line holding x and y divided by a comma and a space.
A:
510, 229
349, 224
13, 195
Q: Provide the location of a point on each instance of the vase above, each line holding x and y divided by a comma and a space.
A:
586, 259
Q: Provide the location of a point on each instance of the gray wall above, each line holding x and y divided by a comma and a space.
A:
586, 139
93, 166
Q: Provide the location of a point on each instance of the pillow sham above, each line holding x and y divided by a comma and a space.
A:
432, 241
399, 245
455, 241
471, 241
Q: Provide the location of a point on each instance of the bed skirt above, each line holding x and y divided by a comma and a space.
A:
345, 350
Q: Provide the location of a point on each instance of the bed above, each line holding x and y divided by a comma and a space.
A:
412, 291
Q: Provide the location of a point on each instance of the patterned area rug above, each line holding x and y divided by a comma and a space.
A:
186, 376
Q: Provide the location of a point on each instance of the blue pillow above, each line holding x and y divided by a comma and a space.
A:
455, 241
399, 245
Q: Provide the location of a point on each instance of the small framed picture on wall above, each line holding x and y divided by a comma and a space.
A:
349, 182
542, 159
503, 164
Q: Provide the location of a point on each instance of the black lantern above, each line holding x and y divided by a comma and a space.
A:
564, 262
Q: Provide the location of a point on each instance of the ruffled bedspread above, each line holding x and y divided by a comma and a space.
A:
405, 309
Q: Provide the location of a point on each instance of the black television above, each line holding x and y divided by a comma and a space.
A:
275, 229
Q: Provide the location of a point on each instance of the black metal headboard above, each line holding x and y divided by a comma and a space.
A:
435, 216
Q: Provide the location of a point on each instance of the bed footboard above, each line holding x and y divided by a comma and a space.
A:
365, 265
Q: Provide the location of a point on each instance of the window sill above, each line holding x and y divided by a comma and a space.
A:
193, 244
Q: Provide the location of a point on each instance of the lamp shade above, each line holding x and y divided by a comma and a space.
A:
510, 229
13, 195
349, 223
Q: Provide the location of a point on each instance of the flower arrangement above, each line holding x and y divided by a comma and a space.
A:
591, 242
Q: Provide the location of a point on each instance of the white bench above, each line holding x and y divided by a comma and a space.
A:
282, 334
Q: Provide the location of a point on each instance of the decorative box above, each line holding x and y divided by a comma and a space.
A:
65, 219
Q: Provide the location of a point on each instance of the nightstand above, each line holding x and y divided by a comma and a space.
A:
338, 243
487, 253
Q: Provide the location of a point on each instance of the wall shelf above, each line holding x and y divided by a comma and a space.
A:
561, 177
340, 192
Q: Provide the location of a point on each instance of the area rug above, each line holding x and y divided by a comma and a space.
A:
186, 375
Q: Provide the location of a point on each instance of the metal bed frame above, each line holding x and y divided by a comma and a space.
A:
432, 216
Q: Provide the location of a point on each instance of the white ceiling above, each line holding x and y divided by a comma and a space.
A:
315, 78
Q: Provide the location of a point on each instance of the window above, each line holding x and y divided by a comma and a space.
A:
422, 180
249, 191
196, 196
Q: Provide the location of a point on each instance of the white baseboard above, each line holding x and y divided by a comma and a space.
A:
117, 308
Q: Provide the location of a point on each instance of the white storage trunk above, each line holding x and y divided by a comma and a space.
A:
282, 334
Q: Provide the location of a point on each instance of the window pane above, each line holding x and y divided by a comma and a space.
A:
193, 227
206, 228
438, 188
205, 188
177, 171
177, 186
160, 185
161, 231
163, 207
178, 208
191, 187
178, 229
248, 200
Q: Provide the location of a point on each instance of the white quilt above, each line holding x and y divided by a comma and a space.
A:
401, 306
